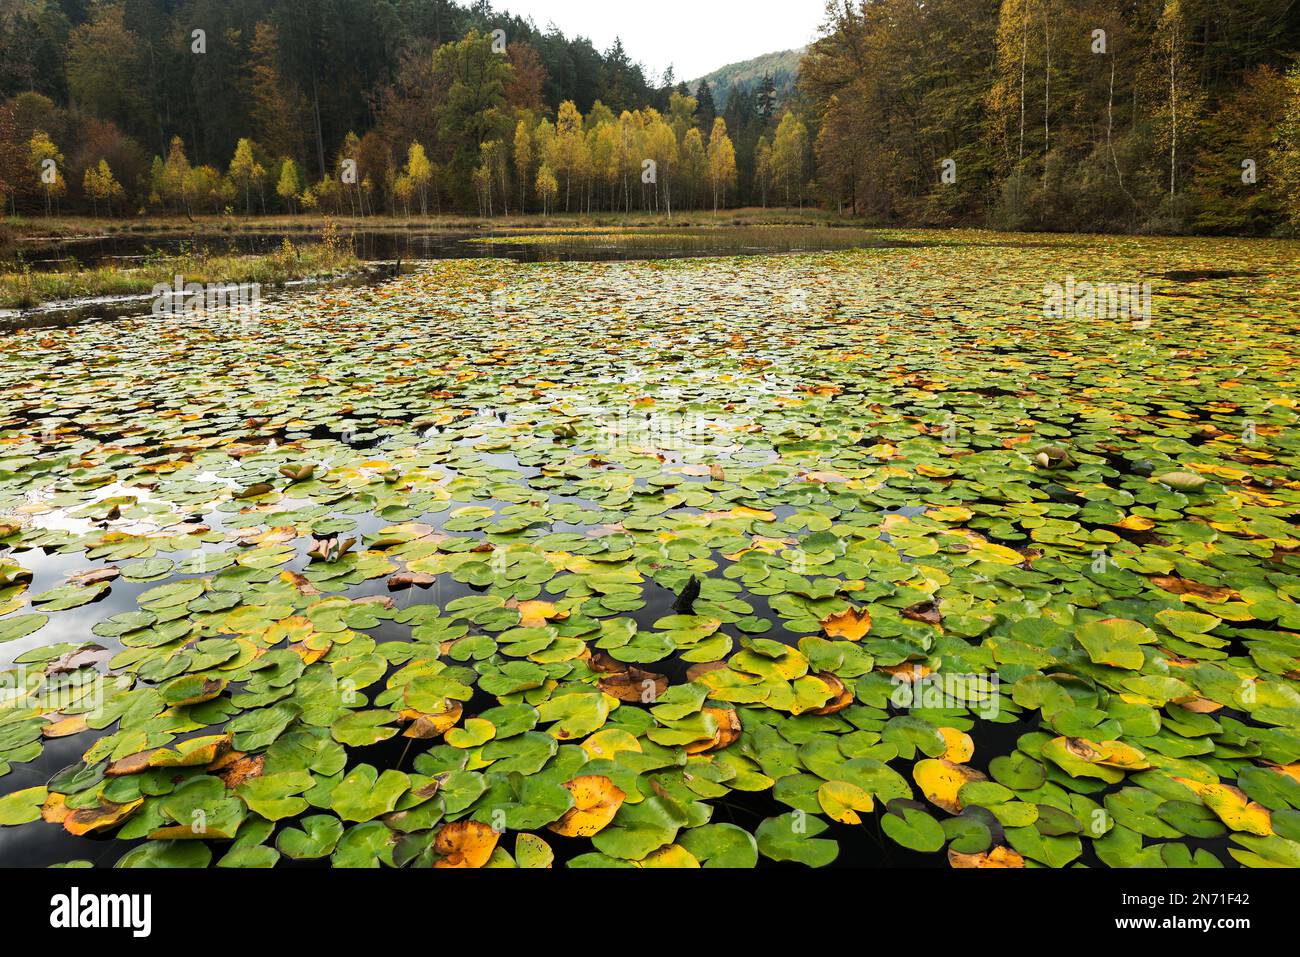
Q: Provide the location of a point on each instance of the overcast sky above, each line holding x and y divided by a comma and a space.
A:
695, 36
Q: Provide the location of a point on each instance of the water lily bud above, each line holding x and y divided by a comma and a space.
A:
1053, 456
1182, 481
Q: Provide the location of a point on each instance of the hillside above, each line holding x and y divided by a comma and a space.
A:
783, 65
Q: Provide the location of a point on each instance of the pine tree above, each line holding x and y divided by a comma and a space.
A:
276, 109
766, 98
705, 112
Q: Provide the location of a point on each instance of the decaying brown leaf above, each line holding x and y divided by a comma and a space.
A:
850, 623
596, 799
998, 857
465, 844
106, 815
634, 685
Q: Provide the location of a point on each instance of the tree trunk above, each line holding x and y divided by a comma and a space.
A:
1024, 53
1047, 90
315, 106
1173, 116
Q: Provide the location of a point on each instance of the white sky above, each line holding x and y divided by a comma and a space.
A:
695, 36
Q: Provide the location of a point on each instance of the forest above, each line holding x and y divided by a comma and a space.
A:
428, 441
1098, 115
360, 106
1101, 115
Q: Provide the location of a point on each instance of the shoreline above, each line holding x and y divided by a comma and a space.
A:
25, 291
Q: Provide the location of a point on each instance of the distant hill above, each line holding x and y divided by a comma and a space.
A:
784, 67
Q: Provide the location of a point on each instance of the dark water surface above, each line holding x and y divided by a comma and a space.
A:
38, 844
128, 249
384, 250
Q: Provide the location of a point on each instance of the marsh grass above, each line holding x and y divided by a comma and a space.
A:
768, 237
21, 288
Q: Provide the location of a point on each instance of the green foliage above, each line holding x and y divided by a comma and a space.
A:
1090, 116
666, 569
776, 72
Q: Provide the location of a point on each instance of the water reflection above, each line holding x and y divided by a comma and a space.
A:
127, 250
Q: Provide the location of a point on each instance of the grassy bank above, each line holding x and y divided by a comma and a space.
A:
30, 228
770, 237
22, 289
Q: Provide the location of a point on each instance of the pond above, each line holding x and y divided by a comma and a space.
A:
128, 249
863, 557
385, 251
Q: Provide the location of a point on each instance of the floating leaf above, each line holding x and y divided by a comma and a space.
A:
596, 799
465, 844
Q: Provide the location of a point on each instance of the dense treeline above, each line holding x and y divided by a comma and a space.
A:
133, 62
360, 106
1161, 115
